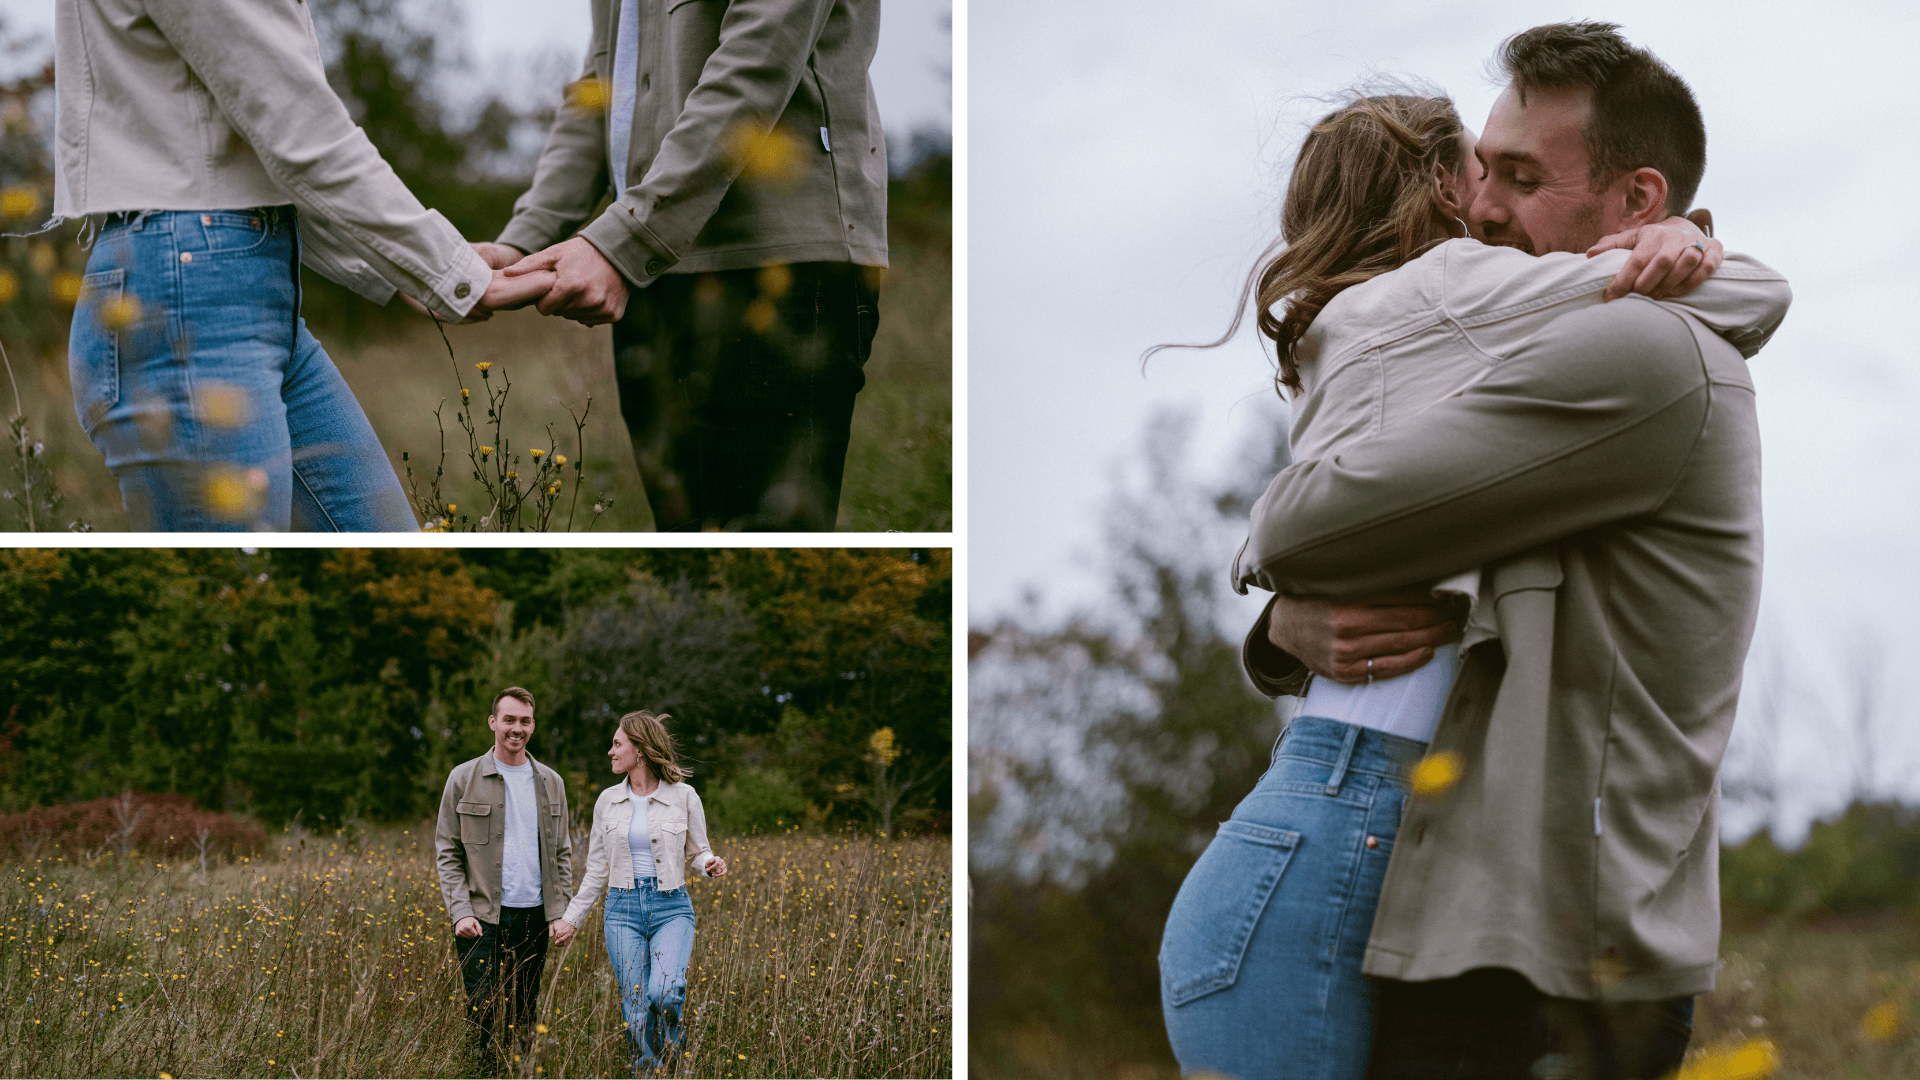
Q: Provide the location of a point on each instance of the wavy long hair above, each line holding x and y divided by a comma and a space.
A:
1364, 198
648, 734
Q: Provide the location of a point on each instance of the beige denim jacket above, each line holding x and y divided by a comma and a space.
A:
676, 829
1605, 474
224, 105
756, 140
469, 839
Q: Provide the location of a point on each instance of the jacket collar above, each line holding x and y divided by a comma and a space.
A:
620, 791
490, 767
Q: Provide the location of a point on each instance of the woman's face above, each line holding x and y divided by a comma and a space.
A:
623, 755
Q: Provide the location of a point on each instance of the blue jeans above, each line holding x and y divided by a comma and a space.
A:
649, 938
196, 377
1260, 964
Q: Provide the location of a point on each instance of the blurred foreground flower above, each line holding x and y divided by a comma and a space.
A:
19, 202
9, 286
589, 95
1882, 1022
223, 404
1435, 774
770, 156
1751, 1060
233, 494
66, 288
120, 313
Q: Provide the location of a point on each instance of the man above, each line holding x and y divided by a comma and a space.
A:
506, 872
740, 259
1555, 907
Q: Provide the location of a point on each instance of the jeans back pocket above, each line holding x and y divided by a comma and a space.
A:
1219, 905
93, 346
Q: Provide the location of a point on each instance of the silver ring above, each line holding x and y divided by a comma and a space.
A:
1701, 246
1369, 671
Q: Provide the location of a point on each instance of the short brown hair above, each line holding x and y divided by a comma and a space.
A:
519, 694
648, 734
1644, 115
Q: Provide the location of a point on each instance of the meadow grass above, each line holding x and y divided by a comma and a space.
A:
1834, 999
899, 462
332, 956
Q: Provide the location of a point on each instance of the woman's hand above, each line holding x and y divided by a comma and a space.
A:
1670, 258
716, 867
561, 931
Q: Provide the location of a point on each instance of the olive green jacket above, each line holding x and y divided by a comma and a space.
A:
756, 140
1605, 474
469, 839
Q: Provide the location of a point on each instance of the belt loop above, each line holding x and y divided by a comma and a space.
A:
1340, 763
1277, 740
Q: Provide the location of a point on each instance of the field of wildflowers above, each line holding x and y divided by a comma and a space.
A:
330, 955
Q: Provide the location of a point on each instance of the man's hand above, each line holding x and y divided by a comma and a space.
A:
561, 931
716, 867
1336, 638
588, 289
1670, 258
468, 927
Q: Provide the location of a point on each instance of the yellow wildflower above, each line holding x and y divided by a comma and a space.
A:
1435, 774
19, 202
537, 453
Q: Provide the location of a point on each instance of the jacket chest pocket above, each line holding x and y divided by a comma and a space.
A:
475, 817
673, 839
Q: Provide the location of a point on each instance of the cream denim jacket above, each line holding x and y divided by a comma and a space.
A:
676, 826
224, 105
756, 140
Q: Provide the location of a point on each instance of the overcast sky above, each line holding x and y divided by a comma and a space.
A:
910, 73
1126, 167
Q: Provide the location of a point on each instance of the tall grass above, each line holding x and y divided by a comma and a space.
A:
332, 956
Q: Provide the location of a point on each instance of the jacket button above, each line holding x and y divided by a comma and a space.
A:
1373, 841
461, 290
654, 266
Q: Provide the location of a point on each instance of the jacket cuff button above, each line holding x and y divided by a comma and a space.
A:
461, 290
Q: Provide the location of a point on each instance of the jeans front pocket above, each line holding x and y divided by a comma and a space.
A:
1218, 907
93, 347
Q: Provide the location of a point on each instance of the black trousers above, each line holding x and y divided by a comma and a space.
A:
737, 387
505, 961
1492, 1024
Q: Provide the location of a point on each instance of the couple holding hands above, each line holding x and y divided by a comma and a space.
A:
738, 261
504, 851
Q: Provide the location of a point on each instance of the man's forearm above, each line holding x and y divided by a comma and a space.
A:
1588, 424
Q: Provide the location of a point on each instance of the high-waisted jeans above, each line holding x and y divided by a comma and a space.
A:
1260, 964
195, 375
649, 939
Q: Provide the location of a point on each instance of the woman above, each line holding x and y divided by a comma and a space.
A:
202, 140
1261, 958
644, 829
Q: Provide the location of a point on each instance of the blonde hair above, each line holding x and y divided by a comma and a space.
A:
1364, 198
648, 734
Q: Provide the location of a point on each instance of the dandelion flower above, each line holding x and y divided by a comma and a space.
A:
484, 366
537, 453
559, 459
485, 450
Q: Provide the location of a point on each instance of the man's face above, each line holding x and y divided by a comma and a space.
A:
512, 724
1535, 195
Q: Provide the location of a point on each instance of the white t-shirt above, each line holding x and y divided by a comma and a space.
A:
520, 849
638, 841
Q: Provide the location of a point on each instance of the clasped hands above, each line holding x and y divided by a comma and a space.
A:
571, 279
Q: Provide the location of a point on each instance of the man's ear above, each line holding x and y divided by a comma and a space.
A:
1644, 197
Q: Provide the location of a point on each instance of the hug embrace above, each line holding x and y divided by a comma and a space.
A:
505, 853
1516, 560
201, 141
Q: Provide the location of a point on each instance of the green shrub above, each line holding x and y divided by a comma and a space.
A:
758, 800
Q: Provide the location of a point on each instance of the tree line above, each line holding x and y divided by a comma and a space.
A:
339, 685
